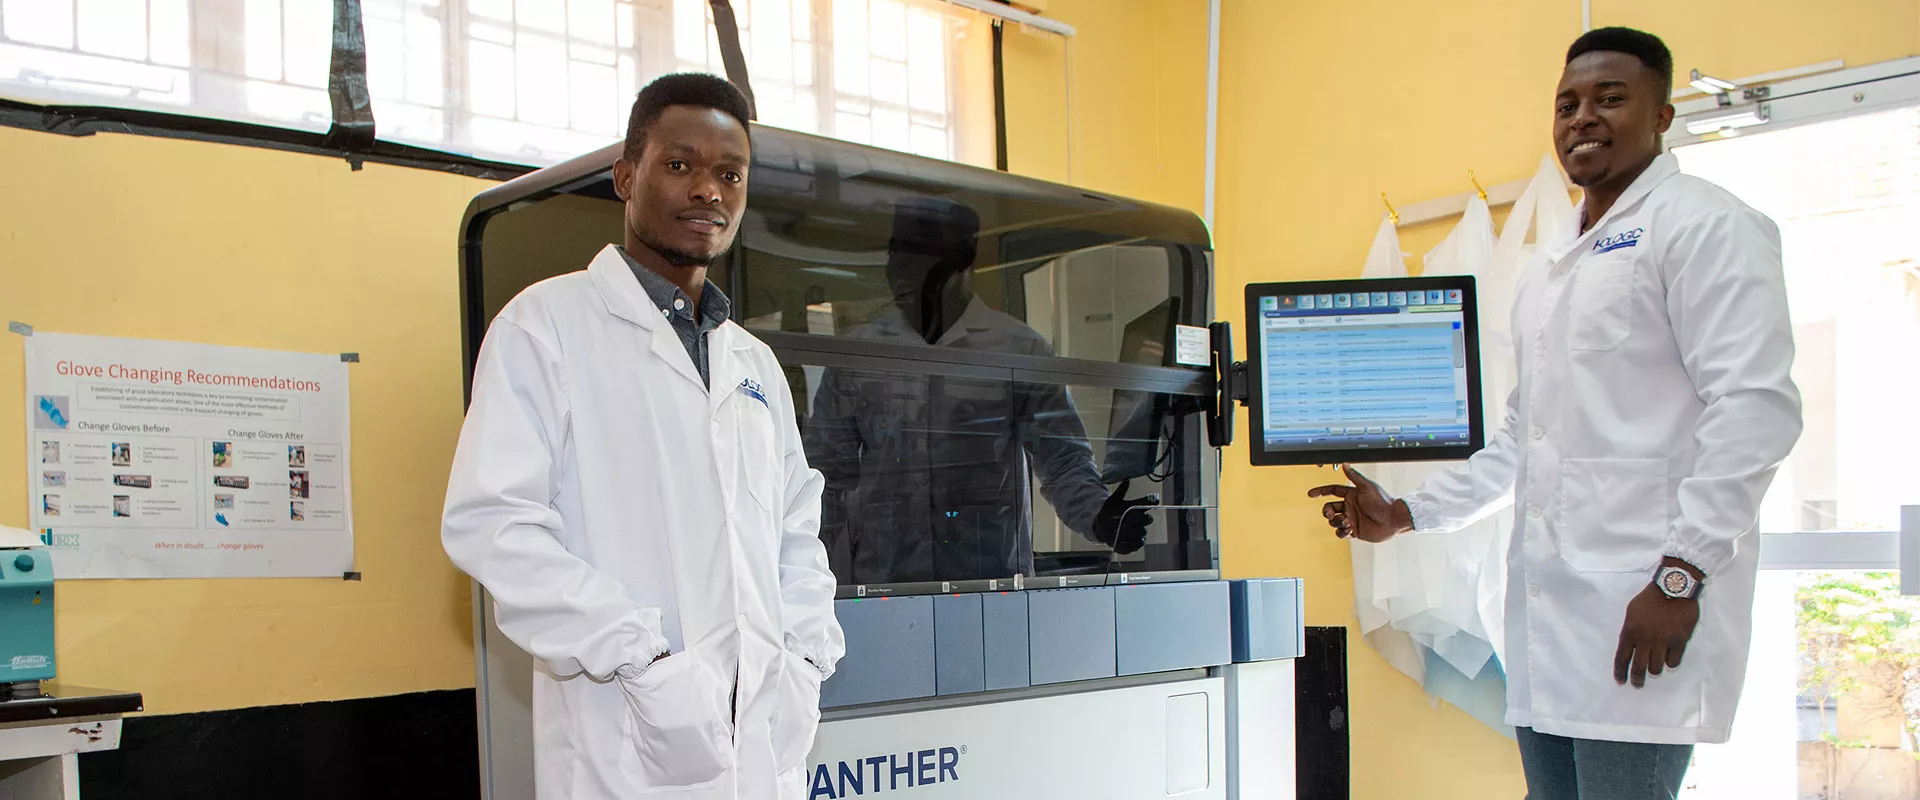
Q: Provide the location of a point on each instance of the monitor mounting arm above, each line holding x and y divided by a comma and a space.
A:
1230, 385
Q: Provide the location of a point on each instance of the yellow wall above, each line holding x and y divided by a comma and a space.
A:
1138, 76
151, 238
1324, 105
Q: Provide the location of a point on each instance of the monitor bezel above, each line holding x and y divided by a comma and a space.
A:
1257, 451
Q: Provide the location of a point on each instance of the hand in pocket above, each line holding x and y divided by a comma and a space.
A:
798, 718
679, 724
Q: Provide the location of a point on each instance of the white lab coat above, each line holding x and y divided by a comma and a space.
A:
1431, 605
1654, 405
617, 509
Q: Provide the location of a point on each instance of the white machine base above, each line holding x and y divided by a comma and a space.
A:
1152, 741
1220, 734
1226, 736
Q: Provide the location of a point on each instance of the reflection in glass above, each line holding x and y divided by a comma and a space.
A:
927, 475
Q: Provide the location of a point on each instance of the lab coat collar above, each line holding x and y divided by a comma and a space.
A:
626, 299
1664, 166
892, 324
976, 319
624, 296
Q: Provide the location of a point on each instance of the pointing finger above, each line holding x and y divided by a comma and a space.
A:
1355, 476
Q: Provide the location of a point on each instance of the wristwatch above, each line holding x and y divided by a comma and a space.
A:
1677, 583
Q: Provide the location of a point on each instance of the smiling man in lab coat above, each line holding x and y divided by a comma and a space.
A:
1654, 406
631, 488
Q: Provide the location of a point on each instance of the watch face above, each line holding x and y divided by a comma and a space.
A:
1675, 582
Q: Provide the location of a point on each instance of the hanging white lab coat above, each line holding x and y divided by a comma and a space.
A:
1430, 604
1429, 586
1654, 405
1386, 584
616, 509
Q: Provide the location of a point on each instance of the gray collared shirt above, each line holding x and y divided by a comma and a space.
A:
677, 308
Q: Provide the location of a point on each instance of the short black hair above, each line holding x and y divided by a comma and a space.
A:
681, 89
1639, 44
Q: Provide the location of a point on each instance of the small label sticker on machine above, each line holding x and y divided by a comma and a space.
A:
1192, 347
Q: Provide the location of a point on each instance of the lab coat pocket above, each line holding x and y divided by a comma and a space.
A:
1613, 514
680, 736
1600, 313
798, 715
759, 457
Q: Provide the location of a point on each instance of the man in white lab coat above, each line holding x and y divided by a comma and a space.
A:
1653, 407
631, 488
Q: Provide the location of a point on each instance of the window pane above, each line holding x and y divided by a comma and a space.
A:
169, 36
544, 15
540, 68
304, 107
386, 57
927, 64
929, 142
850, 46
591, 21
853, 128
492, 9
596, 105
888, 29
690, 30
308, 40
44, 22
890, 130
490, 90
623, 23
114, 28
426, 60
263, 40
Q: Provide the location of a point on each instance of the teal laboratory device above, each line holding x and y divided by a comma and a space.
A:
26, 622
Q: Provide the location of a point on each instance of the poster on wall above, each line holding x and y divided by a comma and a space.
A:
150, 459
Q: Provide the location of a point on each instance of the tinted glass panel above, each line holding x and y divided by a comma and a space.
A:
842, 241
937, 477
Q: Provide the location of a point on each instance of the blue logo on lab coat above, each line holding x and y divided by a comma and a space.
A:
1619, 240
752, 389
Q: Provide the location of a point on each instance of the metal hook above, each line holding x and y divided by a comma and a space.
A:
1476, 186
1391, 214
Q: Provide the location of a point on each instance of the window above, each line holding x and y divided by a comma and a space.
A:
526, 81
1831, 707
268, 62
1845, 194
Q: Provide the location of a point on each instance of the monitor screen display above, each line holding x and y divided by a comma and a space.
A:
1364, 370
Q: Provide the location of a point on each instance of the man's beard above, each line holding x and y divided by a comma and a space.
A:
679, 258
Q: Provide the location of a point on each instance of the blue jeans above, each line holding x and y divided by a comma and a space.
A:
1559, 768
